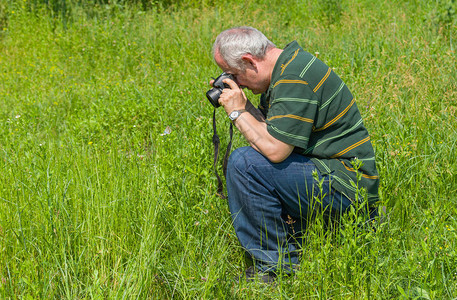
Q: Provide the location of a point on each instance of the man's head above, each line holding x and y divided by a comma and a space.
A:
233, 43
243, 52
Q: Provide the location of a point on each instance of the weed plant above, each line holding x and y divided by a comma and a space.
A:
106, 182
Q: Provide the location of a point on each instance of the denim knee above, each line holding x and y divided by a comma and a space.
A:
239, 159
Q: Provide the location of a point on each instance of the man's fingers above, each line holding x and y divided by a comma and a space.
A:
232, 84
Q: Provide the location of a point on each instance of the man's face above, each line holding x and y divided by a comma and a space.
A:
251, 78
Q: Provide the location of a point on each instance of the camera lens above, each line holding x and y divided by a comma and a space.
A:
213, 96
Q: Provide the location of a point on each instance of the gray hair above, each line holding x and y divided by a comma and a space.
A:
233, 43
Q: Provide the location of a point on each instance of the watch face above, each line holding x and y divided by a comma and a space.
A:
234, 115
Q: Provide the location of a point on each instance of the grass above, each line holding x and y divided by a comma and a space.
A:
96, 202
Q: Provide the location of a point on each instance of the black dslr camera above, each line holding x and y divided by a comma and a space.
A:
214, 93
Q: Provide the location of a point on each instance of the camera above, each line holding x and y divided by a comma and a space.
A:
214, 93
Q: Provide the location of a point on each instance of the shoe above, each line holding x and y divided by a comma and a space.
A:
253, 275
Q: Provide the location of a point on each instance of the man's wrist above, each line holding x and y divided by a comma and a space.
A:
235, 114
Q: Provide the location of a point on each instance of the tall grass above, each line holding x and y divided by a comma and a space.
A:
97, 201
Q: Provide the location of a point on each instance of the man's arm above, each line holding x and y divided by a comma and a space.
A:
259, 138
252, 125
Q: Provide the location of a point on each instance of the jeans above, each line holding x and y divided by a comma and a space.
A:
262, 196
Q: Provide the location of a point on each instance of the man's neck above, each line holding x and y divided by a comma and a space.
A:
271, 58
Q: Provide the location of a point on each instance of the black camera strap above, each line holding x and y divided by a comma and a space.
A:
216, 143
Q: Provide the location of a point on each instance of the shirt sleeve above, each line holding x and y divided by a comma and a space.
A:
293, 108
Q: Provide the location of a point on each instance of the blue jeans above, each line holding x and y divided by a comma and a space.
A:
262, 195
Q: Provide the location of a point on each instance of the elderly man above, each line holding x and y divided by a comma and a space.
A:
302, 152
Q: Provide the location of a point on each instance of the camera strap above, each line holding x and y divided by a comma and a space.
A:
216, 143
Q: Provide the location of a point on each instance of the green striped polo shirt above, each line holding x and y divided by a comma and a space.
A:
308, 106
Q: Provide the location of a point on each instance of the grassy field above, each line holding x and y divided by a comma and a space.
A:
97, 201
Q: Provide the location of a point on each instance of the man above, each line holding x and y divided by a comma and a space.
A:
301, 155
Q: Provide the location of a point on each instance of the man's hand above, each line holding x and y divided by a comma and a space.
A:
233, 98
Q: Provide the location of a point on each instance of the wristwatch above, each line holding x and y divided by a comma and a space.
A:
235, 114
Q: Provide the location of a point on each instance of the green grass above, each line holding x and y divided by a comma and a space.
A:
96, 203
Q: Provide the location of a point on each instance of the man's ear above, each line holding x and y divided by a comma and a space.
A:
250, 61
